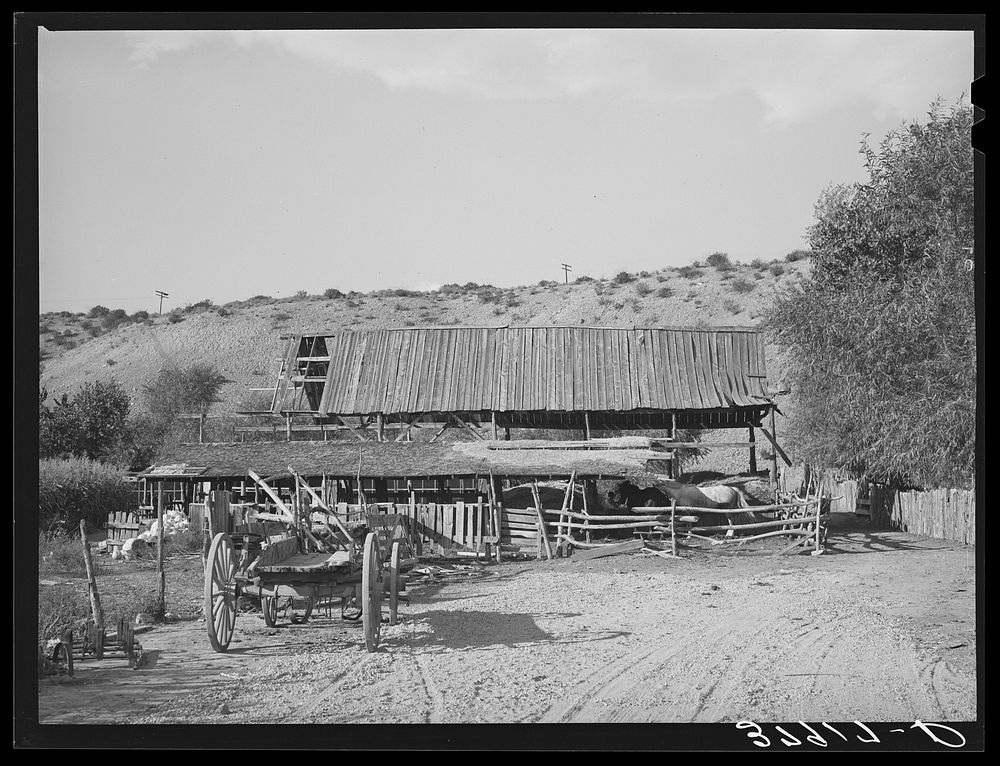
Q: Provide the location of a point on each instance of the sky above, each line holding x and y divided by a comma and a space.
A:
227, 164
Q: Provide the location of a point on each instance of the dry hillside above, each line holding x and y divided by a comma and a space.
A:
243, 338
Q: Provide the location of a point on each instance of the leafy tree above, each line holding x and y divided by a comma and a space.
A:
182, 390
93, 424
880, 339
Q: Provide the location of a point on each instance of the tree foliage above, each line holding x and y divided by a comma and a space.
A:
182, 390
91, 424
880, 341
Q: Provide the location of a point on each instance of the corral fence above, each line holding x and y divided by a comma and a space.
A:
449, 528
945, 514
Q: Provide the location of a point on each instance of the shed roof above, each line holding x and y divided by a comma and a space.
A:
636, 459
518, 369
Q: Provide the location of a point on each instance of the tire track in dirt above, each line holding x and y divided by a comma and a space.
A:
436, 712
313, 702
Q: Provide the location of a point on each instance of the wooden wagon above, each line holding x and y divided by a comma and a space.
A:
363, 568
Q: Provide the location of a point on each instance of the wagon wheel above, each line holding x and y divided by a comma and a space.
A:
371, 592
299, 619
269, 607
220, 592
394, 581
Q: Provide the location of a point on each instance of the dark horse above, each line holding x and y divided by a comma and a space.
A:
628, 495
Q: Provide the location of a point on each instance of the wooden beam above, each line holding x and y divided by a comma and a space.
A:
774, 443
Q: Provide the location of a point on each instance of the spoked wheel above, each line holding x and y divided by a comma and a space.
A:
394, 581
298, 619
220, 592
371, 592
269, 606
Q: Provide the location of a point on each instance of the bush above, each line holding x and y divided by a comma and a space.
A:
642, 289
665, 292
689, 272
199, 306
777, 269
719, 261
140, 316
332, 292
281, 317
583, 278
78, 488
731, 306
758, 263
880, 338
742, 285
175, 318
98, 312
623, 278
797, 255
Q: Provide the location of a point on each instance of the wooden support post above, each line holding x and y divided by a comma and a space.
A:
675, 459
563, 547
753, 452
506, 434
586, 511
160, 574
586, 425
380, 427
493, 417
288, 426
774, 455
673, 528
95, 599
201, 429
543, 536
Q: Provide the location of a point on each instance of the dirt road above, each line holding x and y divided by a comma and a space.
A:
880, 628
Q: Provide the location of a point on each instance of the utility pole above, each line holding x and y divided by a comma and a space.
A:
162, 296
566, 270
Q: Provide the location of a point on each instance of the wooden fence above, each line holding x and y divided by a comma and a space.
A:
946, 514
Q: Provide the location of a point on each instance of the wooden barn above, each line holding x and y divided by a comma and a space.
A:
374, 404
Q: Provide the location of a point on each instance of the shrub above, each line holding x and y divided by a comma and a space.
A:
583, 278
731, 306
140, 316
623, 278
301, 294
199, 306
78, 488
222, 311
281, 317
85, 324
642, 289
777, 269
689, 272
880, 337
67, 333
97, 312
758, 263
665, 292
332, 292
175, 318
547, 283
719, 260
742, 285
797, 255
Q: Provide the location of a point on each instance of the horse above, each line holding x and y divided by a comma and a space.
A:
717, 497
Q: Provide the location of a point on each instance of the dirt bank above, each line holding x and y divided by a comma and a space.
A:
880, 628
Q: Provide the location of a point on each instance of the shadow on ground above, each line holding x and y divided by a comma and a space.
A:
473, 630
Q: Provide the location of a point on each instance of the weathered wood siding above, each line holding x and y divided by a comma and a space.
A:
511, 369
946, 514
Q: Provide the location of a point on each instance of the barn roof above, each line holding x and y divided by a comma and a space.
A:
518, 369
635, 458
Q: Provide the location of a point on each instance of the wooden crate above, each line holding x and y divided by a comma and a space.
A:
122, 526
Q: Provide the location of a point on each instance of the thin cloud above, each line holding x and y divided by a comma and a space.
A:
797, 75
